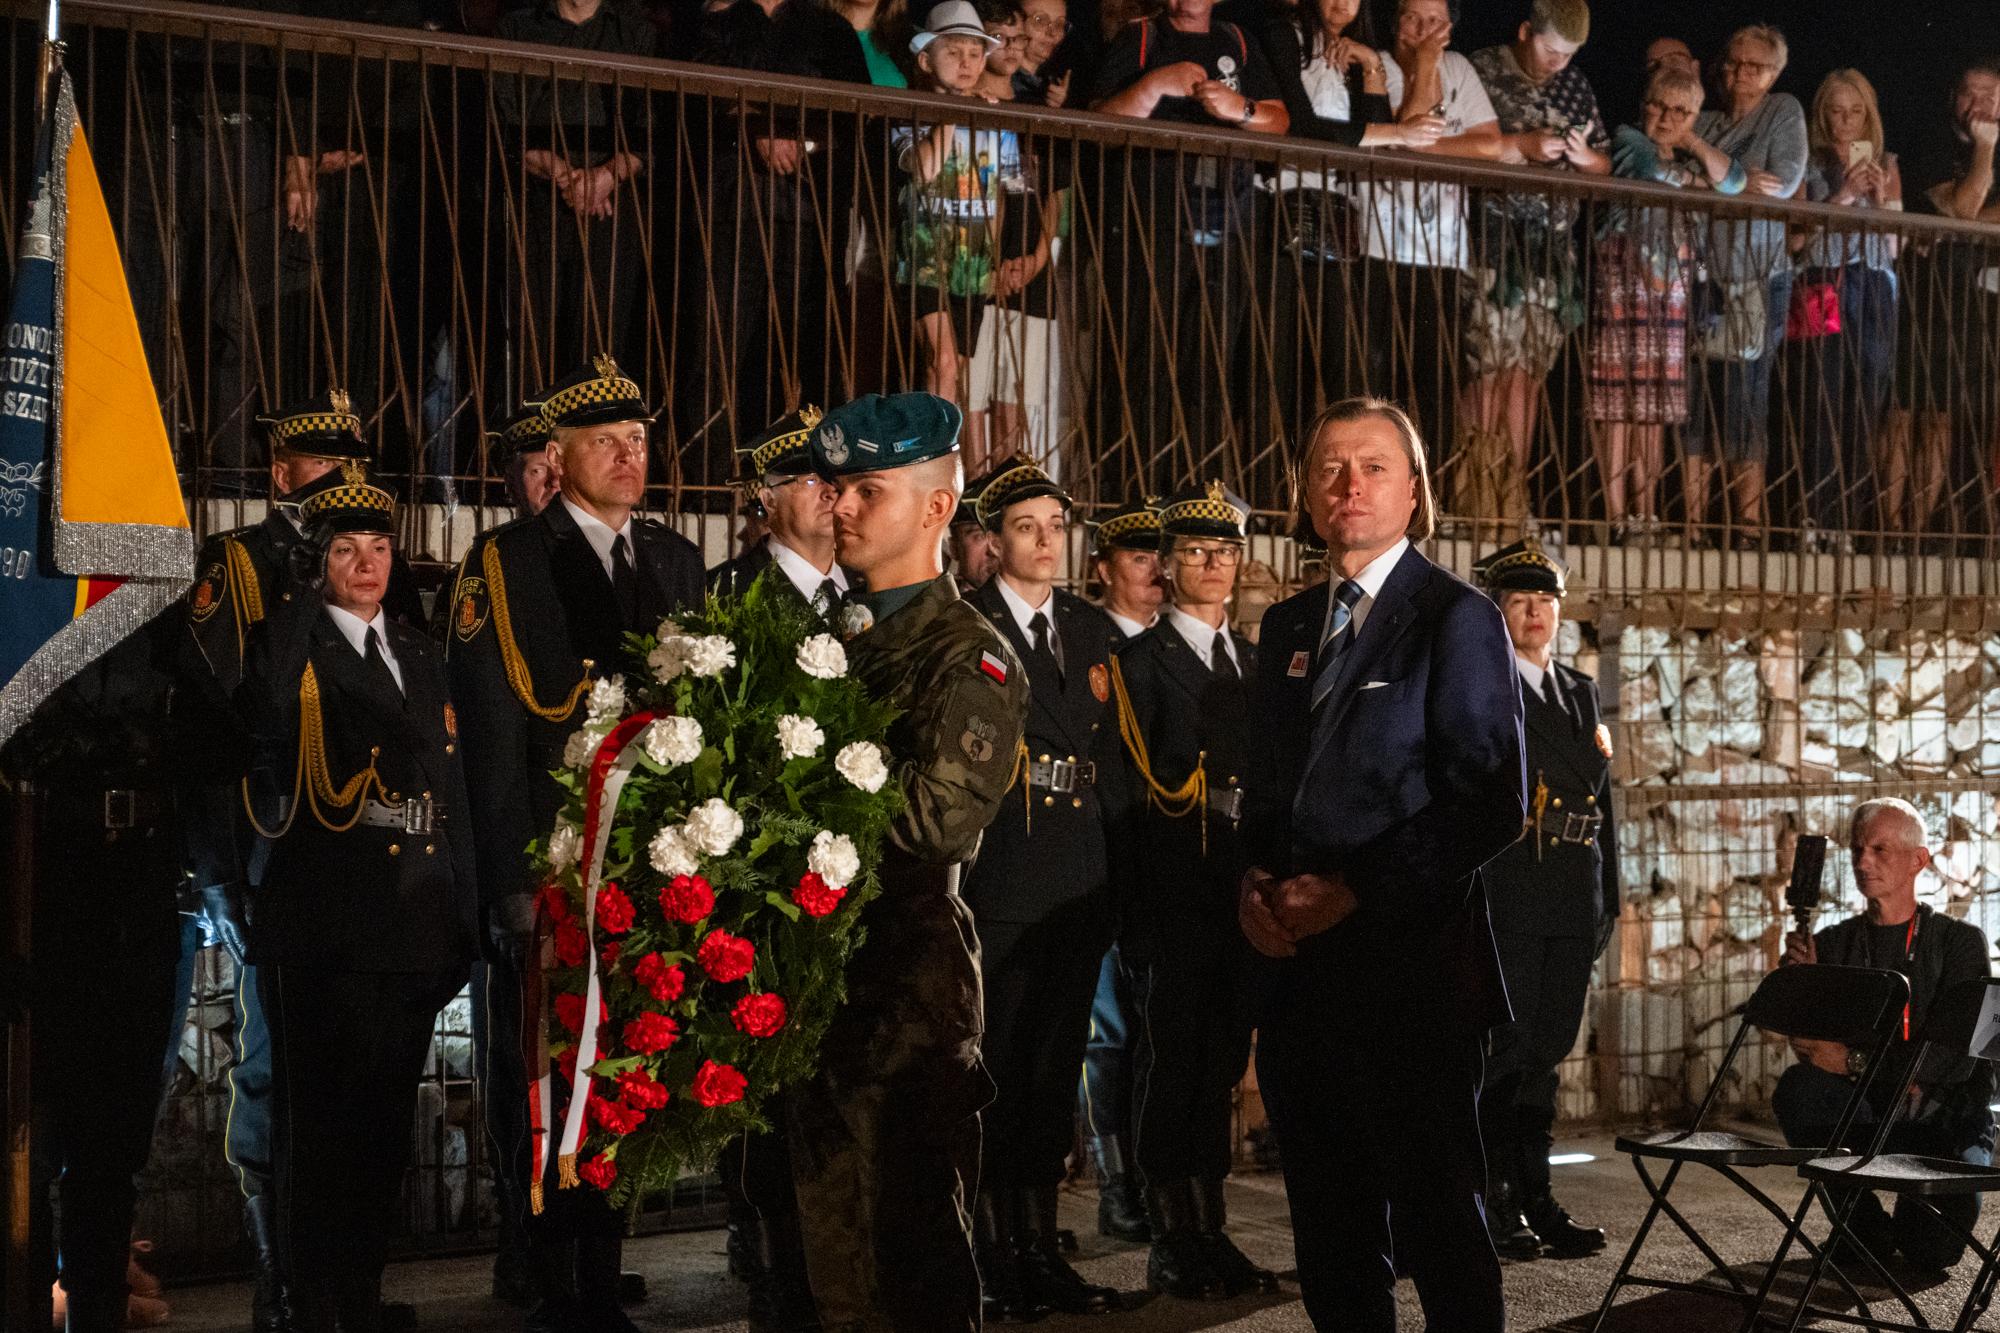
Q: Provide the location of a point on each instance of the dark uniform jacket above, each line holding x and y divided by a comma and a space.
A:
517, 648
242, 574
364, 898
1171, 871
735, 576
1046, 849
1552, 885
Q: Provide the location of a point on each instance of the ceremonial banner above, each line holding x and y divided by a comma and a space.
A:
94, 536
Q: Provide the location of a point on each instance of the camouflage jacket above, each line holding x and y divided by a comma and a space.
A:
965, 699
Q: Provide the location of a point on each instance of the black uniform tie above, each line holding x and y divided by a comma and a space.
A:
624, 582
1219, 660
827, 600
380, 664
1554, 695
1047, 645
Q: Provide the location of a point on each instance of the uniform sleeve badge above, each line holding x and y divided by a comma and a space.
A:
470, 616
977, 739
1100, 683
992, 665
207, 592
1604, 740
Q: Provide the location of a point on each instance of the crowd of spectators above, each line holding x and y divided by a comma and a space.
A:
1036, 279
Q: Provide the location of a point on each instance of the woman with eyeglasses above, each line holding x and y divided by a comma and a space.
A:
1644, 264
1750, 261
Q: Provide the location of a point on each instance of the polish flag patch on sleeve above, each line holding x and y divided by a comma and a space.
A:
991, 664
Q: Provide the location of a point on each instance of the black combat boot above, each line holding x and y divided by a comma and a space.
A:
597, 1295
1178, 1264
1234, 1267
1050, 1279
1534, 1138
1003, 1291
513, 1271
1511, 1236
1121, 1212
781, 1299
270, 1308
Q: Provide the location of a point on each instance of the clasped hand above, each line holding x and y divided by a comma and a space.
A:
1276, 914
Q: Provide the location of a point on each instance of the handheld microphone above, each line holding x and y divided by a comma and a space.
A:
1808, 868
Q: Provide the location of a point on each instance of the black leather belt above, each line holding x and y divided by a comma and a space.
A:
1227, 802
1568, 826
1061, 775
417, 816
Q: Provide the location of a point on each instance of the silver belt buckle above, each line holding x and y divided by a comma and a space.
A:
1062, 776
419, 816
1232, 805
1576, 827
121, 809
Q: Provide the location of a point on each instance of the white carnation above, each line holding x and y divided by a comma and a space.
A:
563, 845
582, 744
607, 701
709, 655
669, 659
673, 740
668, 629
670, 853
833, 858
822, 657
799, 737
862, 764
712, 827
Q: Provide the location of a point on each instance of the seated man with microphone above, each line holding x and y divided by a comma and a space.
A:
1950, 1115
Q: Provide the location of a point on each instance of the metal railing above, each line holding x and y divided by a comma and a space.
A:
1774, 645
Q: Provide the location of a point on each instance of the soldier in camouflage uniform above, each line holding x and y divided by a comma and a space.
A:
884, 1140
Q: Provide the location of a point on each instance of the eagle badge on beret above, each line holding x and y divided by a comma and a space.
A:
833, 444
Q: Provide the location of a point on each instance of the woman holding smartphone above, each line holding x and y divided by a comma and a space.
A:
1843, 318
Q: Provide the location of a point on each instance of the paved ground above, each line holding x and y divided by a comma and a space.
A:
692, 1289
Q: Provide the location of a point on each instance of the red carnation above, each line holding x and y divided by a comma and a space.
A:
718, 1085
569, 1012
553, 902
687, 899
614, 910
663, 983
572, 945
759, 1015
614, 1116
651, 1032
608, 955
642, 1090
815, 896
725, 957
599, 1171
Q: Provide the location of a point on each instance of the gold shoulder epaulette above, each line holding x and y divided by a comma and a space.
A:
516, 666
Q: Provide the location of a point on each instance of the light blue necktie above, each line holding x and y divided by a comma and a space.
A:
1337, 640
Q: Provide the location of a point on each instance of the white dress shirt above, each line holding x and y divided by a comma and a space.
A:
801, 572
1127, 626
1532, 676
1200, 636
355, 630
1371, 578
601, 536
1023, 613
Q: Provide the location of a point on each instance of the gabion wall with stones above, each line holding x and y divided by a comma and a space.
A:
1730, 743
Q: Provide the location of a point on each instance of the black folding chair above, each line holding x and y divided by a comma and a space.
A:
1965, 1019
1862, 1007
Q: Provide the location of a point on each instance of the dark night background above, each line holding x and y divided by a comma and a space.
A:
1911, 50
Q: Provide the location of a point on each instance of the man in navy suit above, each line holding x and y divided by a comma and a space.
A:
1387, 768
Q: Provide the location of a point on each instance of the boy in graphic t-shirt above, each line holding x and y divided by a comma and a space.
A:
948, 224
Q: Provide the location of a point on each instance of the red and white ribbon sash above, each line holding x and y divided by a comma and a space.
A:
616, 756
